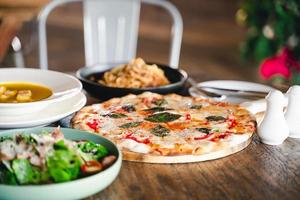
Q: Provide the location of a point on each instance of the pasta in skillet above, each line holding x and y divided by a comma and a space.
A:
136, 74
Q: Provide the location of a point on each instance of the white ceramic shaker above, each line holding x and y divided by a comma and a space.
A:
273, 129
292, 114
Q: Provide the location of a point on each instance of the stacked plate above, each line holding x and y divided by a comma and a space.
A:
66, 98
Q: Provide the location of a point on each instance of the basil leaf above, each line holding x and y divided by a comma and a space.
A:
117, 115
215, 130
203, 130
157, 109
128, 108
159, 102
197, 107
162, 117
215, 118
160, 131
130, 124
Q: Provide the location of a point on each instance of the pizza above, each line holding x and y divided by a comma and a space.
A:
167, 125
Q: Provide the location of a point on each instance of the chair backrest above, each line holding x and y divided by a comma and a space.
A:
110, 35
111, 30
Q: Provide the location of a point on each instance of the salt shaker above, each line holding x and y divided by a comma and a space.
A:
292, 114
273, 129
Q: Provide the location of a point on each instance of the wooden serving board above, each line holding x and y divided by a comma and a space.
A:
131, 156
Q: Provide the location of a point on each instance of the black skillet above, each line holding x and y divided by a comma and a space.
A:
177, 77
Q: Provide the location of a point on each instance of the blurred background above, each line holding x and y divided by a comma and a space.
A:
210, 45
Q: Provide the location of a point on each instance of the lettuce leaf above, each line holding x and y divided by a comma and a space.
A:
63, 165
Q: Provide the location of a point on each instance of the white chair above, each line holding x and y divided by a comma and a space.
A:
111, 30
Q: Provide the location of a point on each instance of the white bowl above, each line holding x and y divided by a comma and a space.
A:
47, 115
62, 86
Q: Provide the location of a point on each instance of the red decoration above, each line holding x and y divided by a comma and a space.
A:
282, 64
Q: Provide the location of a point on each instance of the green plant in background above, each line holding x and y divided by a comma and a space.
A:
273, 32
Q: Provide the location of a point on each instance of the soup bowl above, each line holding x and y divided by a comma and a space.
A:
63, 86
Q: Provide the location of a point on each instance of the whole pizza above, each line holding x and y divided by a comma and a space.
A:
163, 128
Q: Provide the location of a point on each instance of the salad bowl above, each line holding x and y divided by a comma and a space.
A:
74, 189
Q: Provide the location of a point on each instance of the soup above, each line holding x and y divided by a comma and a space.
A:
22, 92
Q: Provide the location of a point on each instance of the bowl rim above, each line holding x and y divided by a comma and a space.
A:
117, 162
51, 99
183, 73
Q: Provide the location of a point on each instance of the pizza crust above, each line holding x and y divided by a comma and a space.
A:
149, 158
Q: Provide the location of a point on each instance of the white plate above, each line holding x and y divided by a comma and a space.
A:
62, 85
231, 84
53, 112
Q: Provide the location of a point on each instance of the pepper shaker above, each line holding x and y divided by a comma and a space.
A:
273, 129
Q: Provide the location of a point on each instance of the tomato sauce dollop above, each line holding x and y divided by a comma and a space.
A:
93, 125
131, 137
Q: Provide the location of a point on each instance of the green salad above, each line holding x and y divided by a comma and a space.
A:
49, 158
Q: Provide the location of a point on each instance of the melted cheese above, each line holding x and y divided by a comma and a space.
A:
108, 125
135, 146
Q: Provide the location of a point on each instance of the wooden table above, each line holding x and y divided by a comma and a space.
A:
258, 172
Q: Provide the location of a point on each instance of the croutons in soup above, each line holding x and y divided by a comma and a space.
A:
22, 92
